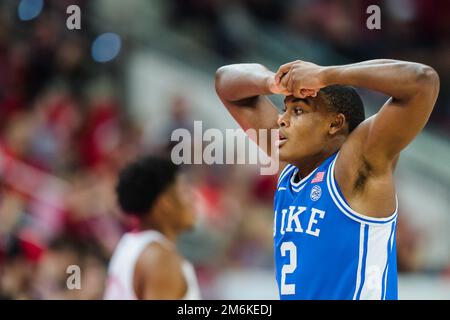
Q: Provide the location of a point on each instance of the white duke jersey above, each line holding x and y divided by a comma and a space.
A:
119, 284
324, 249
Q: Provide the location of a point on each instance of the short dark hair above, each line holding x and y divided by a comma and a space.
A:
345, 100
141, 182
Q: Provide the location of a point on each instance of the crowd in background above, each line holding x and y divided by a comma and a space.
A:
413, 30
65, 132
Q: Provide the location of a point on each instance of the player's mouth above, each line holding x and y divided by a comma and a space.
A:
281, 139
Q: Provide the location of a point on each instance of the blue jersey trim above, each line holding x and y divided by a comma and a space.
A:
363, 267
390, 248
297, 186
288, 168
383, 288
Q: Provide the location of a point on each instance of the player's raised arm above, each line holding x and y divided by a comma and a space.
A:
412, 87
413, 90
243, 88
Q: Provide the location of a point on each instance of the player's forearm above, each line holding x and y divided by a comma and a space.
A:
398, 79
242, 81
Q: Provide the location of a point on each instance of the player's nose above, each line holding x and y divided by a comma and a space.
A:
282, 122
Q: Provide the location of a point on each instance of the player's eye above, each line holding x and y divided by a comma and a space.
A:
298, 111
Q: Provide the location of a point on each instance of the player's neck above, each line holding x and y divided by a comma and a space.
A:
306, 166
310, 163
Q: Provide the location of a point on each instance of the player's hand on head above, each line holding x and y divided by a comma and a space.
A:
284, 69
301, 78
303, 93
277, 88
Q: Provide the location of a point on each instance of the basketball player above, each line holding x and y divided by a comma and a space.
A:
146, 264
335, 205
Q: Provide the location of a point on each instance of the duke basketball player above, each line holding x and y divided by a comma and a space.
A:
335, 205
146, 264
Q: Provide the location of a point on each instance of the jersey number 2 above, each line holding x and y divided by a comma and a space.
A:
290, 247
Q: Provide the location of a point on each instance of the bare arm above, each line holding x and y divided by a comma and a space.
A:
243, 88
413, 89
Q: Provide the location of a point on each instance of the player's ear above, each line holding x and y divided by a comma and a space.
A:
166, 200
161, 208
337, 123
163, 203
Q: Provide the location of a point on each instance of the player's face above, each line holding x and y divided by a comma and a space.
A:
181, 214
303, 128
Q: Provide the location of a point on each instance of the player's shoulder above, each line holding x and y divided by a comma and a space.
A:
354, 157
158, 267
158, 256
353, 144
158, 260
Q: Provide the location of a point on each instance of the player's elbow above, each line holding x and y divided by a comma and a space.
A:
427, 77
428, 85
218, 79
221, 82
